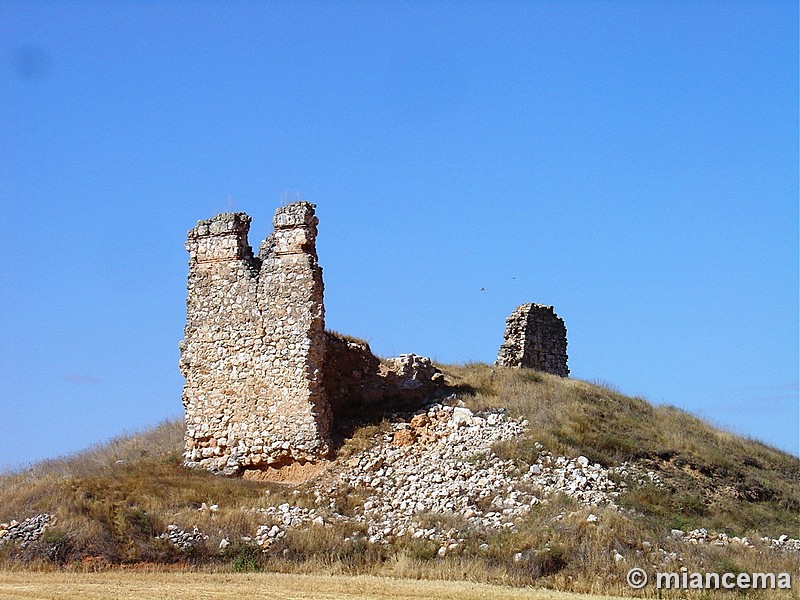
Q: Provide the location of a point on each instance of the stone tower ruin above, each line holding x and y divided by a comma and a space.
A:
263, 377
535, 338
253, 344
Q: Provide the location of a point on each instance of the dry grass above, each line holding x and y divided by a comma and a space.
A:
345, 337
267, 586
111, 501
163, 440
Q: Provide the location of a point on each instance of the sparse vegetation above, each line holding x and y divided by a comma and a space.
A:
112, 502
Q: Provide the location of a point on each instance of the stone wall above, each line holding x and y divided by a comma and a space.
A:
356, 380
261, 372
535, 338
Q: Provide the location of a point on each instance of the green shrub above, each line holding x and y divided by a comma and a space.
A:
245, 558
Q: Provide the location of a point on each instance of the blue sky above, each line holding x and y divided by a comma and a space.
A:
635, 164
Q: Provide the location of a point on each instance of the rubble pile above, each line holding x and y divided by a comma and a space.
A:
182, 540
441, 463
26, 531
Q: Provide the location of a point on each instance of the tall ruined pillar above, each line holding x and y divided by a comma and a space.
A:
254, 344
220, 337
290, 294
535, 338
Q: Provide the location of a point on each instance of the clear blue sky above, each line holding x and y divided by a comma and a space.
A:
635, 164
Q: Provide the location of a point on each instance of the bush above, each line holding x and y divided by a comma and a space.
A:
246, 557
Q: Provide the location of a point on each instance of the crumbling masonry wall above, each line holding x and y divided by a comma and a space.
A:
357, 381
535, 338
254, 344
263, 377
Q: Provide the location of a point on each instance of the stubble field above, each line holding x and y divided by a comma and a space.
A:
121, 585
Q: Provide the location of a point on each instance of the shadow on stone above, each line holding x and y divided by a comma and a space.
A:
363, 389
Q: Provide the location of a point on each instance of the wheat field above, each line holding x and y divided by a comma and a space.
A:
125, 585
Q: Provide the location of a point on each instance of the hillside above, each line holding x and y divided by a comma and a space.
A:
519, 477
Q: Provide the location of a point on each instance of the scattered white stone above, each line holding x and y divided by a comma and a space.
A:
451, 470
182, 540
461, 416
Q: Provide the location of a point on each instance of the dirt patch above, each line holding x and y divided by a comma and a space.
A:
292, 473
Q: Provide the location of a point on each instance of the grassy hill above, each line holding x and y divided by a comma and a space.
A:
111, 503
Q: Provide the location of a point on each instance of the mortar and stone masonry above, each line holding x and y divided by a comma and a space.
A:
535, 338
264, 380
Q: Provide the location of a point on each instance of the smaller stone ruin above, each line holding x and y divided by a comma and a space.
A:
535, 338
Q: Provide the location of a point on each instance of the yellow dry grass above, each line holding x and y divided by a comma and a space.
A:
123, 585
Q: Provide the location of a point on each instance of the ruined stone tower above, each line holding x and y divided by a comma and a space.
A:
535, 338
254, 344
